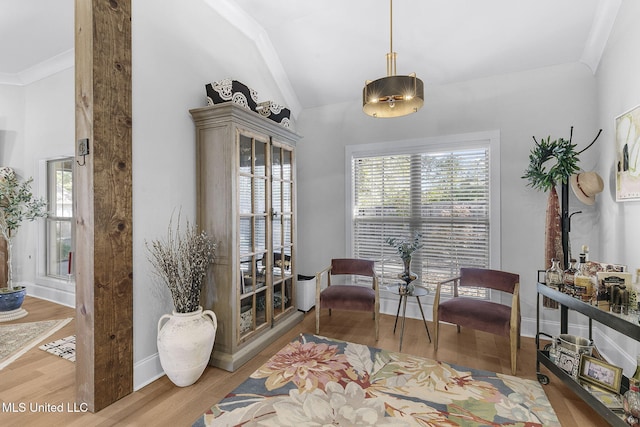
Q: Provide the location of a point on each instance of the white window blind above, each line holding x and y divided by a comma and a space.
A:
442, 194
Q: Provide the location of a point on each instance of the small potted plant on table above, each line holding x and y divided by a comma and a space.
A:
17, 204
406, 249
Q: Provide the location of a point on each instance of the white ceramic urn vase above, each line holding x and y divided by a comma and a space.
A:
185, 342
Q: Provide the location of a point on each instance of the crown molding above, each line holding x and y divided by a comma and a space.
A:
41, 70
10, 79
603, 20
248, 26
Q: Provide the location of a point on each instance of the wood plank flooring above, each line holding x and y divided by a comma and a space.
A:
40, 378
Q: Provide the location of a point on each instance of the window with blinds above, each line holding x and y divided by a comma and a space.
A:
59, 223
442, 194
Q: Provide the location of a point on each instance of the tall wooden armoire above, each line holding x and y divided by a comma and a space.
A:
247, 203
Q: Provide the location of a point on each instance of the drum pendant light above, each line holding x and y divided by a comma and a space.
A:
392, 96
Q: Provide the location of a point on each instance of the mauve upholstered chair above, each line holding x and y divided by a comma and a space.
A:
482, 315
348, 297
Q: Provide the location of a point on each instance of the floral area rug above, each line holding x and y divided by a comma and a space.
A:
318, 381
18, 338
64, 347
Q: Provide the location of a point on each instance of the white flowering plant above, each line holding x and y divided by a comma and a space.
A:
181, 261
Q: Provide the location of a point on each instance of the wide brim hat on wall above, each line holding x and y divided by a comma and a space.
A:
586, 185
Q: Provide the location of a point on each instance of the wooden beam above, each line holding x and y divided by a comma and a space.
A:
104, 248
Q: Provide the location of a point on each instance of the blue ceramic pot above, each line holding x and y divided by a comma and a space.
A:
12, 300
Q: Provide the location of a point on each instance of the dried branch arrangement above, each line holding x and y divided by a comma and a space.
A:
181, 261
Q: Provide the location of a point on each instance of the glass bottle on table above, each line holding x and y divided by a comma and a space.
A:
631, 403
554, 276
553, 279
568, 277
636, 374
582, 280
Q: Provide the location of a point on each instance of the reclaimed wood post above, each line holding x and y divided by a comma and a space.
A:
103, 184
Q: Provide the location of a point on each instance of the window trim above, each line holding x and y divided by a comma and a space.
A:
457, 141
41, 277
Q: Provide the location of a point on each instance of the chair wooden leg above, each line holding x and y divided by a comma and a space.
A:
317, 319
376, 318
514, 354
436, 327
514, 344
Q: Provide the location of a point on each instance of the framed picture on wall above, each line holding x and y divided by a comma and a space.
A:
627, 140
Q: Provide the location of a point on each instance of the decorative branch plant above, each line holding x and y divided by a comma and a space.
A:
181, 262
406, 248
17, 204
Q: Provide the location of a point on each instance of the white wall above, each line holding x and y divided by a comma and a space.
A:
12, 138
12, 117
537, 103
618, 89
36, 123
177, 47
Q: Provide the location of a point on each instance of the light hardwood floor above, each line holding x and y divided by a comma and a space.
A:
40, 378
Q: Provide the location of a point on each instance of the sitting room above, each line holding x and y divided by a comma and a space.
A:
357, 246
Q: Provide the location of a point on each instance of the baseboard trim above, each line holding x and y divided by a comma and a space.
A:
147, 371
59, 296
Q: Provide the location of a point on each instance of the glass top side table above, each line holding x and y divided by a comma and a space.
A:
418, 291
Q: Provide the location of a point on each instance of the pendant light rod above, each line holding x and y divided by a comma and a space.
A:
391, 56
390, 26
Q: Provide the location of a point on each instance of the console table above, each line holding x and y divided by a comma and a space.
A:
611, 320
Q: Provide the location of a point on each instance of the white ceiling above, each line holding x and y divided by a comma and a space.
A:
33, 32
321, 52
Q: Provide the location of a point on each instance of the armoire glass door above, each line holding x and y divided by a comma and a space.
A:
253, 193
282, 223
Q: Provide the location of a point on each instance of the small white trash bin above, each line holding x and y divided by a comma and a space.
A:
305, 292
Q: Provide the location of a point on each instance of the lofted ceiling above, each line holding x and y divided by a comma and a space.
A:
36, 38
321, 52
